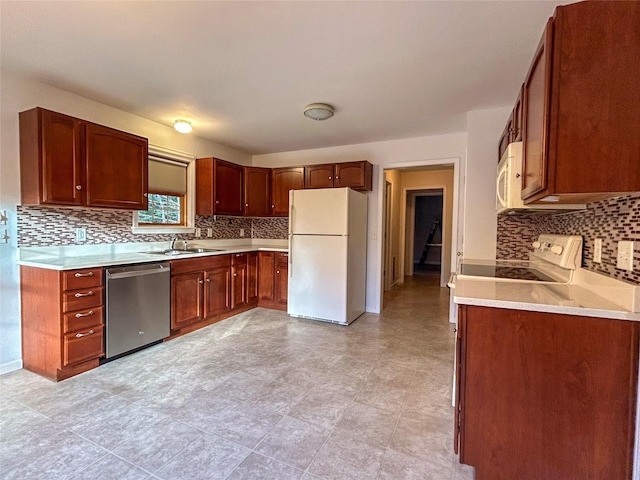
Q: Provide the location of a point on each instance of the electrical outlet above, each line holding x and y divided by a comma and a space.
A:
625, 255
198, 233
242, 232
81, 234
209, 232
597, 250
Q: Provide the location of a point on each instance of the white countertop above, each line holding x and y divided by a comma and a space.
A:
552, 298
83, 256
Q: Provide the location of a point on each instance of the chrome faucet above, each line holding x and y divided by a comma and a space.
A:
172, 246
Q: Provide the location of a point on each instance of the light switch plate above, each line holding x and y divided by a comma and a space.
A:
209, 232
81, 234
242, 232
198, 233
625, 255
597, 250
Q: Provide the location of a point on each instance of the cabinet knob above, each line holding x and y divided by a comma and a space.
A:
329, 178
78, 187
145, 195
217, 202
273, 206
200, 282
277, 271
208, 280
246, 204
337, 177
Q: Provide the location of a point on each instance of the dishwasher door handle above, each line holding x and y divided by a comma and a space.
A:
136, 273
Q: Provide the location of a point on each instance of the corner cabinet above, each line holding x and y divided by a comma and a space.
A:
273, 280
68, 161
356, 175
62, 320
581, 105
544, 395
219, 187
283, 180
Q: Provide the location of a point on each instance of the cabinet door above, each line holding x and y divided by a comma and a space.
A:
204, 186
252, 277
51, 158
504, 139
228, 188
217, 291
116, 168
239, 283
536, 98
357, 175
319, 176
186, 299
516, 119
257, 188
283, 180
266, 275
282, 278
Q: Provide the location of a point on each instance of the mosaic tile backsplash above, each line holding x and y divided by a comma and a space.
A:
46, 226
611, 220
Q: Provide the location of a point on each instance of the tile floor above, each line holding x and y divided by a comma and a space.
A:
257, 396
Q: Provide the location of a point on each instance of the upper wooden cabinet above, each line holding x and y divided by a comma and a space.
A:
67, 161
581, 105
283, 180
513, 129
219, 187
357, 175
257, 191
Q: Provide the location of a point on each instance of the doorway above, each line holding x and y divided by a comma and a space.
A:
425, 242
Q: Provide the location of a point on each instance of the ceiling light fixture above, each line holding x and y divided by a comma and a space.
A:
318, 111
183, 126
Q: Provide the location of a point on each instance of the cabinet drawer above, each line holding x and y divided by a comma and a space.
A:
239, 259
199, 264
83, 319
82, 299
83, 345
85, 278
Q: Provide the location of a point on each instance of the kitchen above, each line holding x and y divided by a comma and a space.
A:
471, 151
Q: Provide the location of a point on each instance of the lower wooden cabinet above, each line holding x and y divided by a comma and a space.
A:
273, 280
62, 320
252, 278
239, 280
542, 395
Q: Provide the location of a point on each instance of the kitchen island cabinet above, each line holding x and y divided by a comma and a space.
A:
70, 162
62, 320
273, 280
545, 395
580, 104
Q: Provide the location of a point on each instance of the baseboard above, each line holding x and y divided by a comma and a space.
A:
10, 366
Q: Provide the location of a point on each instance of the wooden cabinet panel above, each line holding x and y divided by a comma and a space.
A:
67, 161
228, 188
186, 298
117, 168
357, 175
205, 192
252, 278
580, 103
51, 158
217, 295
546, 395
319, 176
239, 282
53, 316
85, 278
282, 279
283, 180
273, 280
257, 191
266, 276
516, 118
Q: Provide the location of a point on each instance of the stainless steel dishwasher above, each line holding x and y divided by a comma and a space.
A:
138, 301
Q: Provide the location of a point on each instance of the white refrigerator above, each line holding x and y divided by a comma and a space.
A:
327, 254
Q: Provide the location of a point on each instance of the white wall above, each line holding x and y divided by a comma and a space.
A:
484, 128
18, 94
433, 150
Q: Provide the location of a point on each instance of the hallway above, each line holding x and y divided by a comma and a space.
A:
256, 396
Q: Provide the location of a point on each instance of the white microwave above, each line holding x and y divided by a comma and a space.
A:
509, 186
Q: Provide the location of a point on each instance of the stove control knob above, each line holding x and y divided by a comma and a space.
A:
557, 249
536, 244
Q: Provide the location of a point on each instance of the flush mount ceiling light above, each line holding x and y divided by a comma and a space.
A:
183, 126
318, 111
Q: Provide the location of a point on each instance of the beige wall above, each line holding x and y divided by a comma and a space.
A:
393, 258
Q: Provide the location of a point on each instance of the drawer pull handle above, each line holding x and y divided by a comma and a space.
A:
78, 275
88, 314
80, 335
88, 294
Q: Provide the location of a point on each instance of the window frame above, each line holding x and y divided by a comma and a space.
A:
190, 196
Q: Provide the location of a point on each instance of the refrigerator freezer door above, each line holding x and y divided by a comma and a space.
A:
318, 277
322, 211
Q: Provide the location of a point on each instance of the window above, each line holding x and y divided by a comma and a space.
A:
170, 194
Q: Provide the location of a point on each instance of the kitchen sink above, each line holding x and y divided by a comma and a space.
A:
176, 251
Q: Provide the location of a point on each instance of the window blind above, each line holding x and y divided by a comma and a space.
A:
167, 176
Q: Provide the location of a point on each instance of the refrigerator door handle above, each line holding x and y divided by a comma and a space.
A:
290, 258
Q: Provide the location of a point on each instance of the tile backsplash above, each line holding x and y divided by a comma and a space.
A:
611, 220
53, 226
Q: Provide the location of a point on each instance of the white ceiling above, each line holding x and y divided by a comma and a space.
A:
242, 72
